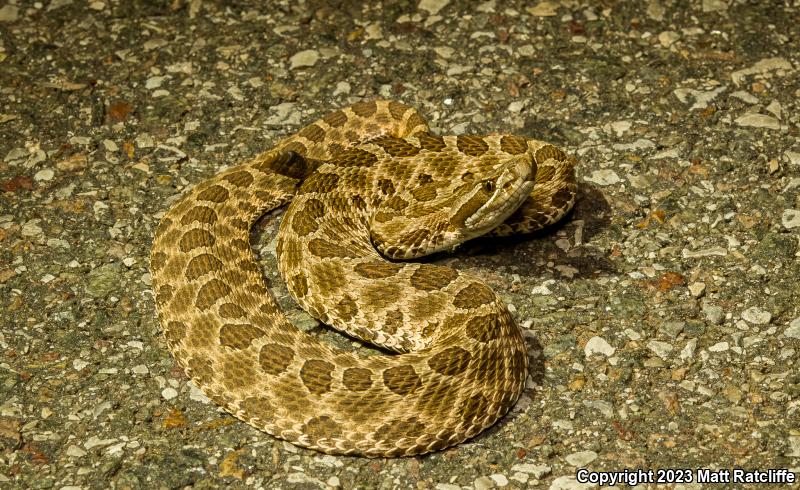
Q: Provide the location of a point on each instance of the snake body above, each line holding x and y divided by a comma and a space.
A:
365, 183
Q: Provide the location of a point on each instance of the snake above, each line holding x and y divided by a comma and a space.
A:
365, 189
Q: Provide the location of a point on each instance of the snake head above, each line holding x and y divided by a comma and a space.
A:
442, 207
485, 203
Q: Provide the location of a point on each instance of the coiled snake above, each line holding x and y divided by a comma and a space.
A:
366, 183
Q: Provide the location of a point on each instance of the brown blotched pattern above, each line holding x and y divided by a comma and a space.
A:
462, 361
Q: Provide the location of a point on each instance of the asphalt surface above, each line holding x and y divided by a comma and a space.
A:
663, 315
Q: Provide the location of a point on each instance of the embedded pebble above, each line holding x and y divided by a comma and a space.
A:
544, 9
79, 364
714, 5
793, 330
140, 369
757, 316
304, 58
762, 66
697, 288
604, 177
661, 349
44, 175
342, 88
668, 38
775, 108
484, 483
432, 6
569, 482
75, 451
581, 459
598, 345
655, 10
745, 97
536, 470
790, 218
714, 314
9, 13
169, 393
758, 121
719, 347
499, 480
792, 157
103, 280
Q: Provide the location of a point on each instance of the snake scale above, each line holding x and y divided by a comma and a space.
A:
366, 185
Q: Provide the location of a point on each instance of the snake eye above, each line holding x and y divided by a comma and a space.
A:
488, 186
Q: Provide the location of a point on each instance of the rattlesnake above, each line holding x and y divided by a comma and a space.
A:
370, 176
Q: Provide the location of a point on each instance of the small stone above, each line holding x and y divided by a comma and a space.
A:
605, 408
673, 328
154, 82
79, 364
526, 50
714, 314
714, 5
535, 470
688, 350
668, 38
719, 347
757, 316
732, 393
145, 141
499, 480
140, 369
31, 228
342, 88
762, 66
445, 486
661, 349
197, 395
655, 10
793, 330
581, 459
793, 451
74, 451
791, 218
44, 175
483, 483
792, 157
632, 334
444, 51
696, 289
604, 177
688, 254
775, 108
618, 127
103, 280
543, 9
433, 6
569, 482
516, 106
598, 345
169, 393
305, 58
745, 97
758, 121
9, 13
334, 482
